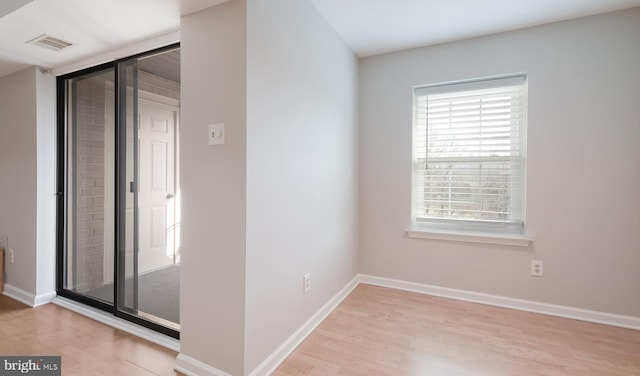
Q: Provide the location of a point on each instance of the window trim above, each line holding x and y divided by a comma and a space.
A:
501, 233
463, 236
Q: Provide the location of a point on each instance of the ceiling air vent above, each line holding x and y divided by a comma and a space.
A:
49, 42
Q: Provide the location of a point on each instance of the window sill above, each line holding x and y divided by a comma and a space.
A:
516, 240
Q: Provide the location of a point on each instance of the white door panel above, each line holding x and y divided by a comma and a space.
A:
156, 187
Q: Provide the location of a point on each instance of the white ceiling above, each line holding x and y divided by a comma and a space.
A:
368, 27
94, 27
372, 27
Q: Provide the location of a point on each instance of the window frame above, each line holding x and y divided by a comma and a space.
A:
478, 231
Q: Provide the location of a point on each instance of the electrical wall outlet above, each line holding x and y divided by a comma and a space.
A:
537, 268
10, 256
306, 283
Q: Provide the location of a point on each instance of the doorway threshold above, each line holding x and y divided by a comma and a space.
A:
118, 323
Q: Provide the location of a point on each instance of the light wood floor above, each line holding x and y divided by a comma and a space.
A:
87, 347
374, 332
378, 331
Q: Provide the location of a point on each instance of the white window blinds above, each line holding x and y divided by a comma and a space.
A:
469, 152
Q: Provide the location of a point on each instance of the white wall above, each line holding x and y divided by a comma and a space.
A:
583, 206
212, 277
301, 169
18, 175
46, 183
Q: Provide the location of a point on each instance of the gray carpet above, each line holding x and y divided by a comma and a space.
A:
158, 293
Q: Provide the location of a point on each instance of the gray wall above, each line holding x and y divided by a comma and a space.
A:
18, 175
27, 179
301, 170
213, 181
583, 206
285, 181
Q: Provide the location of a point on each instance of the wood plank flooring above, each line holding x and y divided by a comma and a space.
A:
87, 347
374, 332
378, 331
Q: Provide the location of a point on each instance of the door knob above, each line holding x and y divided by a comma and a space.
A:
169, 195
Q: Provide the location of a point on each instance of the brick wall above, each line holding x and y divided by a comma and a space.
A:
90, 182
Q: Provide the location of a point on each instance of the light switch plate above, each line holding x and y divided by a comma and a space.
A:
216, 134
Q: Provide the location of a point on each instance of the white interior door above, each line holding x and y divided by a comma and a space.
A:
157, 186
157, 148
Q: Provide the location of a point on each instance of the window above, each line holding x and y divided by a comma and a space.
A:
469, 155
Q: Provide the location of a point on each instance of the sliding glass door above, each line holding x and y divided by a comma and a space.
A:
119, 211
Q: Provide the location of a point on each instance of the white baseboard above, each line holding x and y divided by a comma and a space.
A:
45, 298
19, 295
628, 322
193, 367
269, 365
118, 323
28, 298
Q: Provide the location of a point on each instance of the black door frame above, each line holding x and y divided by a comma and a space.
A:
120, 193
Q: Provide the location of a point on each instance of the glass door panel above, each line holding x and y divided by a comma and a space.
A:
150, 284
90, 125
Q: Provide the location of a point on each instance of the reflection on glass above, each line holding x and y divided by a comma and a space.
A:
150, 88
90, 185
122, 194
